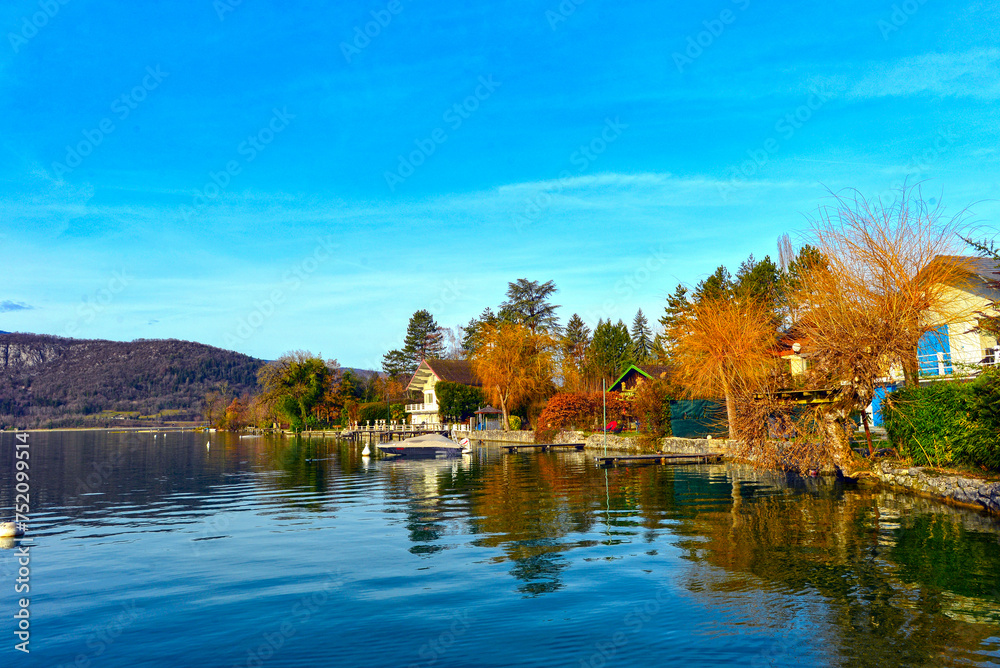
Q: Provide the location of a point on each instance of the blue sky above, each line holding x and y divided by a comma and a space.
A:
264, 176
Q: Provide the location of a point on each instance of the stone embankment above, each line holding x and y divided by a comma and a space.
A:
966, 491
617, 443
958, 489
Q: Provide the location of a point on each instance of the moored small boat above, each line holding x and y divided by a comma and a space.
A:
428, 445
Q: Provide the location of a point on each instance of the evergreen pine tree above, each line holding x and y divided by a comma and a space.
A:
424, 339
528, 304
397, 364
575, 340
642, 343
610, 349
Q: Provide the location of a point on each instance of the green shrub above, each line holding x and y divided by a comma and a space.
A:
458, 402
984, 407
376, 411
945, 423
515, 422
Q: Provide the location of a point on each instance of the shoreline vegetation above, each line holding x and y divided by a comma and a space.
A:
963, 488
781, 361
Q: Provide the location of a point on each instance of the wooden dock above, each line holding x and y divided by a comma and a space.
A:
545, 447
659, 458
389, 436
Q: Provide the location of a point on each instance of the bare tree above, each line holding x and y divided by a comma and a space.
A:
884, 276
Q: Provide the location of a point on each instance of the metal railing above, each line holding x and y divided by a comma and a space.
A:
421, 408
946, 364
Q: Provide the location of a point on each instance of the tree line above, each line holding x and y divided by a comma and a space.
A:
867, 281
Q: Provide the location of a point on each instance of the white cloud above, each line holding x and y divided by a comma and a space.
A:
974, 73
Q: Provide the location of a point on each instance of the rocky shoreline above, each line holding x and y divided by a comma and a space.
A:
947, 486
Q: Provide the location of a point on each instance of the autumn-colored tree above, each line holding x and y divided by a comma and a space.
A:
651, 406
886, 279
235, 416
723, 347
882, 278
513, 363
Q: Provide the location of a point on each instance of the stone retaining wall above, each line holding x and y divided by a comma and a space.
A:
615, 442
967, 491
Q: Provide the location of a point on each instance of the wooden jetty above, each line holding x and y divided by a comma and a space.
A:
388, 436
545, 447
659, 458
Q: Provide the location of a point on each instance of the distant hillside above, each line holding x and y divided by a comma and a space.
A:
49, 381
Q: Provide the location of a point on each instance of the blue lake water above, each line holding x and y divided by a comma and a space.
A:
278, 552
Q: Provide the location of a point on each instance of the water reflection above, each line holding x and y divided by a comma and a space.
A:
828, 573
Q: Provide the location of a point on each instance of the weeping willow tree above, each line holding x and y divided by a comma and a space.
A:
513, 363
885, 275
724, 347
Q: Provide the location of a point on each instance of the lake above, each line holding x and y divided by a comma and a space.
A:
281, 552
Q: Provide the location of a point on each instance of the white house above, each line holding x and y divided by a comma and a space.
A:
426, 377
957, 349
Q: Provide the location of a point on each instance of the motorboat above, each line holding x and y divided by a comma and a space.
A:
425, 446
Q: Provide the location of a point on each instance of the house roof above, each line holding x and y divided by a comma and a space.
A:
455, 371
650, 371
985, 269
787, 340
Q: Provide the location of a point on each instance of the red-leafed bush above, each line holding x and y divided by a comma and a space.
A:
577, 410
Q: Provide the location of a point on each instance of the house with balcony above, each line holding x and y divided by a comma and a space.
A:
959, 349
426, 378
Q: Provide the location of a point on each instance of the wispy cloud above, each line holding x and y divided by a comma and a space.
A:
7, 305
974, 73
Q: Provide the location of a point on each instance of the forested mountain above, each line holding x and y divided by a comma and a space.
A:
49, 381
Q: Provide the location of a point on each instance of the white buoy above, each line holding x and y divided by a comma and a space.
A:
466, 446
10, 530
367, 451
